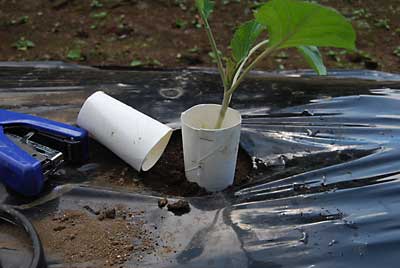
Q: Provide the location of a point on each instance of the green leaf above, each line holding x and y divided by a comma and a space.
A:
23, 19
244, 38
314, 58
180, 24
96, 4
194, 49
155, 62
205, 7
74, 54
99, 15
293, 23
136, 63
23, 44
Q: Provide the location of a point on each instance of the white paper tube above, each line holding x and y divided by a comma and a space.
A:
135, 137
210, 154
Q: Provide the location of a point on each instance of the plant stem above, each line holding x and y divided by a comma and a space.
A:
265, 53
228, 94
215, 51
252, 51
224, 108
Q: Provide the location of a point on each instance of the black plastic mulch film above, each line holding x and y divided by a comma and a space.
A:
327, 192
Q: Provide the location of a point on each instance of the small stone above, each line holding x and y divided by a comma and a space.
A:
101, 217
110, 213
59, 228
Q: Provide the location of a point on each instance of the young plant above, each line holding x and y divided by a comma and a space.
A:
290, 24
23, 44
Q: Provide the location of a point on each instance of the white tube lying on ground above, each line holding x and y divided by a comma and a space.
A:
210, 154
135, 137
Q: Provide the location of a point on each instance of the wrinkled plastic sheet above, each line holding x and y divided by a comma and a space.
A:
302, 211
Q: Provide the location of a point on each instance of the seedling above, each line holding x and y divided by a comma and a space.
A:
154, 62
20, 20
383, 23
396, 51
136, 63
75, 54
99, 15
181, 4
227, 2
23, 44
290, 23
96, 4
361, 13
180, 24
363, 24
194, 49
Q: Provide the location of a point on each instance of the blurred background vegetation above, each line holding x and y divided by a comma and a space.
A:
168, 33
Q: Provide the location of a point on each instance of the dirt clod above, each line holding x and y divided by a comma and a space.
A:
110, 213
59, 228
179, 208
107, 213
162, 202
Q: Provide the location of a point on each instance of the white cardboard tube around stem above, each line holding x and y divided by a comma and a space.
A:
135, 137
210, 154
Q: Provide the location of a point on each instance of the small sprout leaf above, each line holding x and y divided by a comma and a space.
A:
74, 54
23, 44
96, 4
136, 63
180, 24
194, 49
99, 15
396, 51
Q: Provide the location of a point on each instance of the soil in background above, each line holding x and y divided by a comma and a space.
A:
167, 33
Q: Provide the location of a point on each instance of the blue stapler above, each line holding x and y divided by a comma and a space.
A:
32, 148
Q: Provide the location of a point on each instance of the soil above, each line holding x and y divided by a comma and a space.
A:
80, 237
265, 173
166, 33
166, 178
